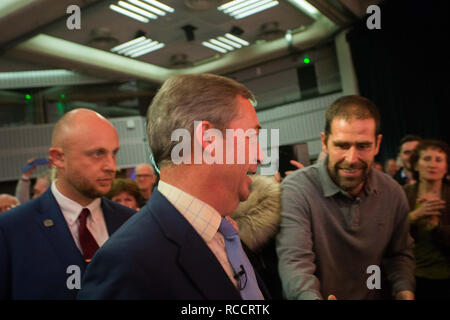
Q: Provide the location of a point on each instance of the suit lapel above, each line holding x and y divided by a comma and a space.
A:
112, 224
195, 257
52, 223
205, 271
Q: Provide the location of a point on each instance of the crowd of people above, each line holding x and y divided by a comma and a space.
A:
344, 227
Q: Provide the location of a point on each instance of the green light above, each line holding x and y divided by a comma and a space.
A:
306, 60
28, 97
60, 108
63, 96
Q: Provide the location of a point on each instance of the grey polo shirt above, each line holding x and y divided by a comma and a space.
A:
328, 239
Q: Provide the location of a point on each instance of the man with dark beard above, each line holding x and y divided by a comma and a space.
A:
46, 243
345, 224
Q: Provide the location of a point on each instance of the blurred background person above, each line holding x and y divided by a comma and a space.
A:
7, 202
125, 192
378, 166
429, 201
145, 179
42, 183
407, 145
390, 167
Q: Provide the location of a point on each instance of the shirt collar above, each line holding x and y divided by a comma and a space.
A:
70, 208
330, 188
203, 218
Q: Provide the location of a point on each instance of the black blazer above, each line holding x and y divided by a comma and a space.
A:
35, 254
157, 254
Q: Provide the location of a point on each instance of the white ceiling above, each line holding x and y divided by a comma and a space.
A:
34, 36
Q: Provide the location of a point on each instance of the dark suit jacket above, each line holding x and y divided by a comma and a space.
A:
34, 257
157, 254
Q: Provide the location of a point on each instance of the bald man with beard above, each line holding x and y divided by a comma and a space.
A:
46, 243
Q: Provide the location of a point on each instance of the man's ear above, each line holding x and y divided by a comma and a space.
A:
56, 157
202, 135
379, 138
324, 142
200, 140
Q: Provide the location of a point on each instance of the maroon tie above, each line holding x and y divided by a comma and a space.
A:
87, 241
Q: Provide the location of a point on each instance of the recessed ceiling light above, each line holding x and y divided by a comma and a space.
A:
137, 10
160, 5
128, 13
148, 7
148, 50
141, 11
137, 47
226, 43
305, 6
128, 44
242, 8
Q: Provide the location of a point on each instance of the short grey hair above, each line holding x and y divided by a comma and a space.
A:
183, 99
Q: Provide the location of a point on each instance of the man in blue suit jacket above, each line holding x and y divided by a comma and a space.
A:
41, 253
173, 248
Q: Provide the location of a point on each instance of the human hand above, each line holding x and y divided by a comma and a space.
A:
429, 207
28, 173
296, 164
432, 220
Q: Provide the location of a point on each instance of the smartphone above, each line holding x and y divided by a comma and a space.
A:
36, 162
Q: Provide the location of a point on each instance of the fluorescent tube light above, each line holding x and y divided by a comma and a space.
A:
140, 53
138, 46
137, 10
240, 5
254, 5
128, 44
128, 13
147, 7
306, 6
160, 5
211, 46
234, 38
229, 4
256, 10
221, 44
234, 44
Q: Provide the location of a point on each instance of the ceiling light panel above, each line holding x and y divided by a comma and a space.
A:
142, 10
137, 47
239, 9
305, 6
226, 43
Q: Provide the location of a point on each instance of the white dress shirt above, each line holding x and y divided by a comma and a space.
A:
71, 211
203, 218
